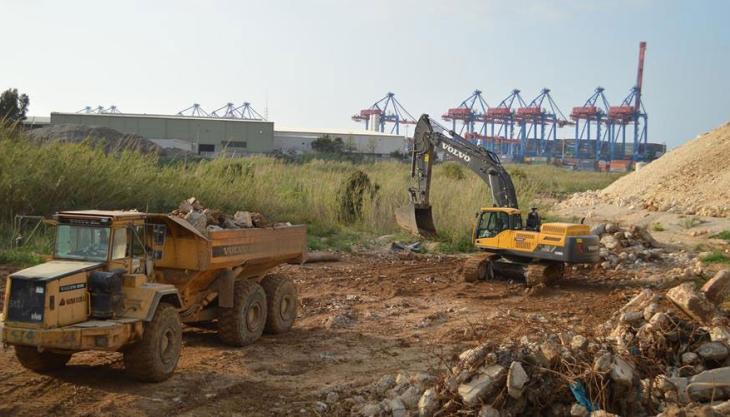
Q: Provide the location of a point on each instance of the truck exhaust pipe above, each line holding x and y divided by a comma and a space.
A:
418, 221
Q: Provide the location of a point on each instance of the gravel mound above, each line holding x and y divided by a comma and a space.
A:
692, 179
110, 139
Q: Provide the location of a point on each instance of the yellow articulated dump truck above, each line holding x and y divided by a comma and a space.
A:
126, 281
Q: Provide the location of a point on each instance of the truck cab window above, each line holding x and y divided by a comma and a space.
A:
119, 244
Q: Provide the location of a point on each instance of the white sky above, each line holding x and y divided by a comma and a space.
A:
317, 62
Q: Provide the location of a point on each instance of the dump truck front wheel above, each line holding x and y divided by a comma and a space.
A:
245, 322
281, 297
155, 357
34, 360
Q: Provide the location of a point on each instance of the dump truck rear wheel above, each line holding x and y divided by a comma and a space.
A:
155, 357
245, 322
281, 298
30, 358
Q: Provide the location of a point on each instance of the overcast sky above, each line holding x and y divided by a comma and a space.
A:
314, 63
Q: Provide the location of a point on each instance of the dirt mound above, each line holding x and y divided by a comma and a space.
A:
110, 139
691, 179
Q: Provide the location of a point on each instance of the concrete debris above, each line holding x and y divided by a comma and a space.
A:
658, 351
207, 220
718, 287
692, 302
630, 247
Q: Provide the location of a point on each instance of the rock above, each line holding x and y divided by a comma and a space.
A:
402, 378
713, 384
603, 413
428, 404
578, 342
602, 363
612, 228
320, 407
598, 229
692, 302
516, 380
632, 317
411, 397
723, 408
243, 219
713, 351
385, 383
422, 379
473, 357
679, 385
578, 410
720, 334
718, 287
622, 372
372, 410
397, 408
481, 386
650, 310
550, 351
488, 411
640, 301
690, 358
610, 242
198, 221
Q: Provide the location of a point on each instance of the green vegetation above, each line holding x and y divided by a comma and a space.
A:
13, 106
724, 235
716, 257
690, 222
341, 201
657, 227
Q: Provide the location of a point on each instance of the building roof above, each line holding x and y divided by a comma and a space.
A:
160, 116
343, 132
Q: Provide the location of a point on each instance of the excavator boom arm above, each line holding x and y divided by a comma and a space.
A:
484, 163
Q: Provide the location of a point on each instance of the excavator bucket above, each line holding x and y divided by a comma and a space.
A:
418, 221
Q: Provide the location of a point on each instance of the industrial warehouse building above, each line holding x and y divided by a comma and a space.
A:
210, 135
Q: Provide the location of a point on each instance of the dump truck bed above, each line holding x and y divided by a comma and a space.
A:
187, 248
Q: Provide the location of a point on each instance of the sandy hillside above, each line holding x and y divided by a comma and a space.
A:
691, 179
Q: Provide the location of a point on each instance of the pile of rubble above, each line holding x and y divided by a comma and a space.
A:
659, 355
626, 247
210, 220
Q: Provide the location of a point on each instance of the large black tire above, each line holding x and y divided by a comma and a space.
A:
281, 298
155, 357
244, 323
30, 358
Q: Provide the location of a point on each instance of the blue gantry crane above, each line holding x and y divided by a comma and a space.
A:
386, 110
500, 125
538, 122
588, 120
469, 116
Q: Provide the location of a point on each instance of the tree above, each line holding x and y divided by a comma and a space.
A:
13, 106
325, 144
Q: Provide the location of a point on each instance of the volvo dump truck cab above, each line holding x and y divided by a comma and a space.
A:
508, 244
126, 281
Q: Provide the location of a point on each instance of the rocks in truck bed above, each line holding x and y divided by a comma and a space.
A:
210, 220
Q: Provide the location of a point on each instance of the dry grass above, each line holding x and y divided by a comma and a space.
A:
43, 179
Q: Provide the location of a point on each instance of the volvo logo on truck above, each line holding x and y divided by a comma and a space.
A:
459, 154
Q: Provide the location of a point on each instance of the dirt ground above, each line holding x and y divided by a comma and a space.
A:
360, 318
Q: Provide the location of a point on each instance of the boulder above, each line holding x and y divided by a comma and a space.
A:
385, 383
611, 243
598, 229
713, 384
718, 287
516, 380
578, 342
602, 363
690, 358
720, 334
428, 404
372, 410
713, 351
692, 302
473, 357
198, 221
243, 219
482, 385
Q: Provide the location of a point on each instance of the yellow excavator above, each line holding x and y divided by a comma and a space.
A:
537, 251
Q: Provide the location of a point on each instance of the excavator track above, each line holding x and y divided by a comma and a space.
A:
543, 273
477, 267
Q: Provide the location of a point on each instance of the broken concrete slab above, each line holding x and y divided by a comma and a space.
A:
713, 384
692, 302
718, 287
428, 404
483, 384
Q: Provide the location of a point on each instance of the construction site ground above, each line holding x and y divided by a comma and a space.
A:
361, 317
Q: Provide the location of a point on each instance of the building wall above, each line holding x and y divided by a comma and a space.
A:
239, 136
293, 141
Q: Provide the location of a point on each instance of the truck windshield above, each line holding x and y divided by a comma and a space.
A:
88, 243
